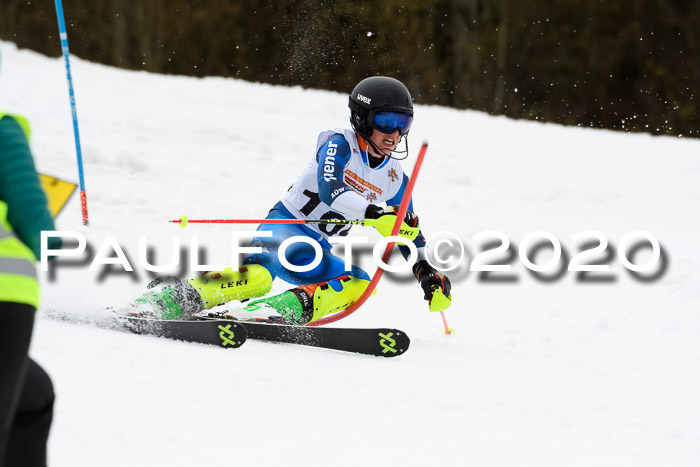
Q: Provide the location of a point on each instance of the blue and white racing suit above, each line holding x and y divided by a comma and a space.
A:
337, 184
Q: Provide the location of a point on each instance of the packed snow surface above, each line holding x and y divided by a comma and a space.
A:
547, 369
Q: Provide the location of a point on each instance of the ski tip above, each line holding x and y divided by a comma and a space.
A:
221, 333
392, 343
232, 335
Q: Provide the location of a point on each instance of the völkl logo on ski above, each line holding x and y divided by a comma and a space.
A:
227, 338
383, 342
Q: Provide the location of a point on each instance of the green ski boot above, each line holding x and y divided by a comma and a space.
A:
171, 302
307, 303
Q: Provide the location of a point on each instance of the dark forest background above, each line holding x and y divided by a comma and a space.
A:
625, 65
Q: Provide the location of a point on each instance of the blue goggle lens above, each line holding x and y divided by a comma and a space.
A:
388, 122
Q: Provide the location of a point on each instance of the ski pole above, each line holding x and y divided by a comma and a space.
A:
183, 221
448, 330
66, 55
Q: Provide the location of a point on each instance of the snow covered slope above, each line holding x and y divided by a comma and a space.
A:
540, 373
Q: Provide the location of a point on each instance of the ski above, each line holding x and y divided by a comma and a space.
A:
380, 342
263, 323
224, 330
222, 333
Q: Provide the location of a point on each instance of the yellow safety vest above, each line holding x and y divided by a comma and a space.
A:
18, 276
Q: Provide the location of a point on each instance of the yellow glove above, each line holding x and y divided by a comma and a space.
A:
383, 219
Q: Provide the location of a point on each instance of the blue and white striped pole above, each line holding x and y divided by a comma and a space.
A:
66, 56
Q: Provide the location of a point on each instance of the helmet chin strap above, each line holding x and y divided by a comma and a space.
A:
390, 153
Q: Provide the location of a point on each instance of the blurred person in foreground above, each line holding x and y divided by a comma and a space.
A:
26, 391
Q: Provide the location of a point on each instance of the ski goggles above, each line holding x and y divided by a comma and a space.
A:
388, 122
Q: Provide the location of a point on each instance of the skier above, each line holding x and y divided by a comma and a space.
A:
26, 392
352, 172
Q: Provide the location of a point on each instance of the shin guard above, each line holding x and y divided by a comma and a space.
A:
248, 281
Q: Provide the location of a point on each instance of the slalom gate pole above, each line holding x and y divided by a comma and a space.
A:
403, 208
66, 55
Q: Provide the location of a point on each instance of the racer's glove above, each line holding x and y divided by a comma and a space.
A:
383, 219
436, 286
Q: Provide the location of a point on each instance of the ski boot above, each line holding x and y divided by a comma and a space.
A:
206, 291
170, 302
307, 303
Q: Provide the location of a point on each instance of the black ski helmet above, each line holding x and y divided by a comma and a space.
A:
377, 94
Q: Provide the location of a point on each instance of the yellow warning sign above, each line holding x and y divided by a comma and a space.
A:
57, 191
